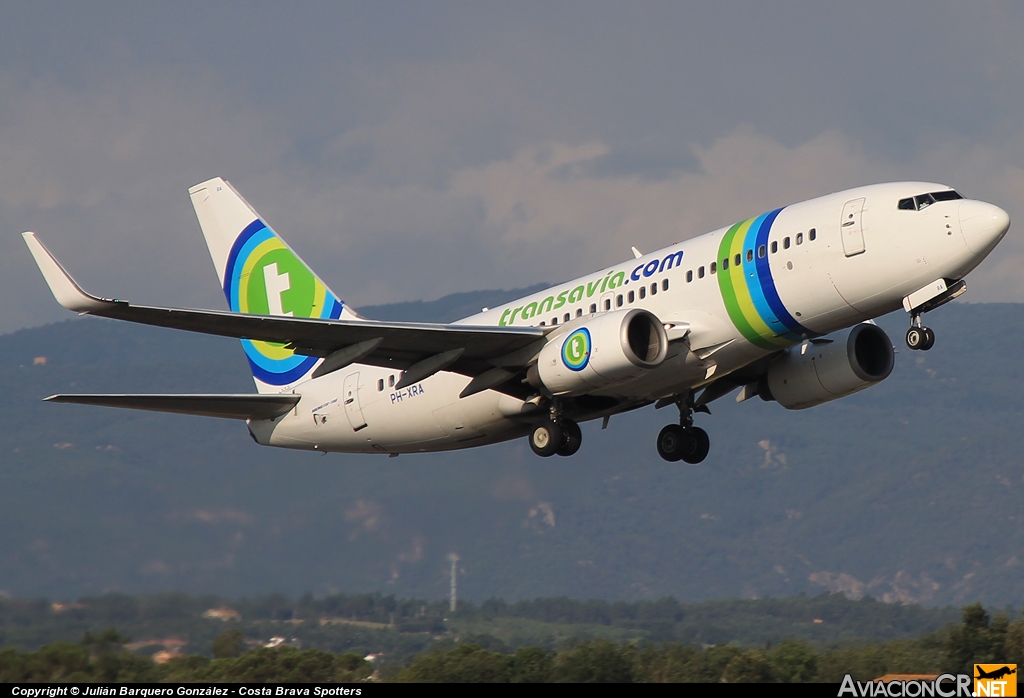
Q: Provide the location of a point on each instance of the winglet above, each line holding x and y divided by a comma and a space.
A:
67, 292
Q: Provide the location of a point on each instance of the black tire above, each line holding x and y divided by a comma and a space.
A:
672, 442
546, 438
700, 446
573, 438
916, 337
929, 339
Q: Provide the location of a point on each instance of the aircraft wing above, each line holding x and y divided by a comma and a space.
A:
227, 406
420, 347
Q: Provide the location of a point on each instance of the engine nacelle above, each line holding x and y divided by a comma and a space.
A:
600, 352
855, 359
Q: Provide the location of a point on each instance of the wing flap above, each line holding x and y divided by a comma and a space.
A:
244, 406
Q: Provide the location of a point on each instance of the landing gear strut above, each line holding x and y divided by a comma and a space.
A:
683, 441
556, 435
919, 336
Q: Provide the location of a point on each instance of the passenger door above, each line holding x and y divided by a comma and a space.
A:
852, 227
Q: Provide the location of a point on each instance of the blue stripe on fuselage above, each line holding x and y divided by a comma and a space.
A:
767, 284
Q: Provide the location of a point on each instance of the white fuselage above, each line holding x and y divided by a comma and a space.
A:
866, 255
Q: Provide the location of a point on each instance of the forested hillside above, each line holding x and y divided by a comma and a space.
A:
909, 491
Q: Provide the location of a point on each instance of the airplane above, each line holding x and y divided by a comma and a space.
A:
995, 673
779, 306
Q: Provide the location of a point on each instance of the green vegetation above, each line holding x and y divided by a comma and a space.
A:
977, 638
400, 628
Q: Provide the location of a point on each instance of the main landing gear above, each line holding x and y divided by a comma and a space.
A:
683, 441
556, 435
919, 336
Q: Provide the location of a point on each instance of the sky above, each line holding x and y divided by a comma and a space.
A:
411, 150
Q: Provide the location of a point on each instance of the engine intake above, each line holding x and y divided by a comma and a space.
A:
855, 359
601, 352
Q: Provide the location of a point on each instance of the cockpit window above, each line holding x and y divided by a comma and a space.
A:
923, 201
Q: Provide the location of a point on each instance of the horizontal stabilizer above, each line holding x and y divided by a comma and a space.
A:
227, 406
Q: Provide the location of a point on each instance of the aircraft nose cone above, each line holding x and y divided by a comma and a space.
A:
982, 225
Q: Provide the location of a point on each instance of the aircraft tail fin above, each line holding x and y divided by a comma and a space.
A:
261, 275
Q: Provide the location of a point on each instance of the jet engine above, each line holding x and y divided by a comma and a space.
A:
829, 368
600, 352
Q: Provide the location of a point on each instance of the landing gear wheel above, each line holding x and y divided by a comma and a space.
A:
672, 442
573, 438
929, 339
698, 445
916, 337
546, 438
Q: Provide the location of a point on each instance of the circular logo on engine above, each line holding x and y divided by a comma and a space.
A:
576, 350
264, 277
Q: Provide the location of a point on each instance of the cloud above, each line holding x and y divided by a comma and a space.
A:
489, 149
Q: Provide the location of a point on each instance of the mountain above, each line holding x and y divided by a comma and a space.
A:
908, 491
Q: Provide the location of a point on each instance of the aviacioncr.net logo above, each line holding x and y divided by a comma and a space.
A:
576, 349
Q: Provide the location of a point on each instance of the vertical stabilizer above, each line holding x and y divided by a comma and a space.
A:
261, 275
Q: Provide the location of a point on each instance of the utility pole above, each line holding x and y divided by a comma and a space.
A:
454, 559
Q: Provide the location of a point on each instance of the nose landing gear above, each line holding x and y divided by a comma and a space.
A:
919, 336
683, 441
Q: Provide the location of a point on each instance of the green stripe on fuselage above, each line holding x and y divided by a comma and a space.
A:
736, 295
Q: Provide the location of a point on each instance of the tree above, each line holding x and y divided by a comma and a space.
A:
976, 640
1015, 643
465, 663
794, 661
230, 643
594, 661
748, 667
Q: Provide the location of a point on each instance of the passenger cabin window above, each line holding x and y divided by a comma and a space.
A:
714, 267
664, 284
775, 246
593, 307
738, 261
700, 272
579, 312
812, 233
762, 251
643, 292
725, 264
607, 303
554, 321
566, 317
799, 238
391, 381
785, 243
618, 301
380, 385
750, 255
689, 276
632, 296
654, 289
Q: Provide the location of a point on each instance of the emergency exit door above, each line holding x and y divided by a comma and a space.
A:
352, 409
